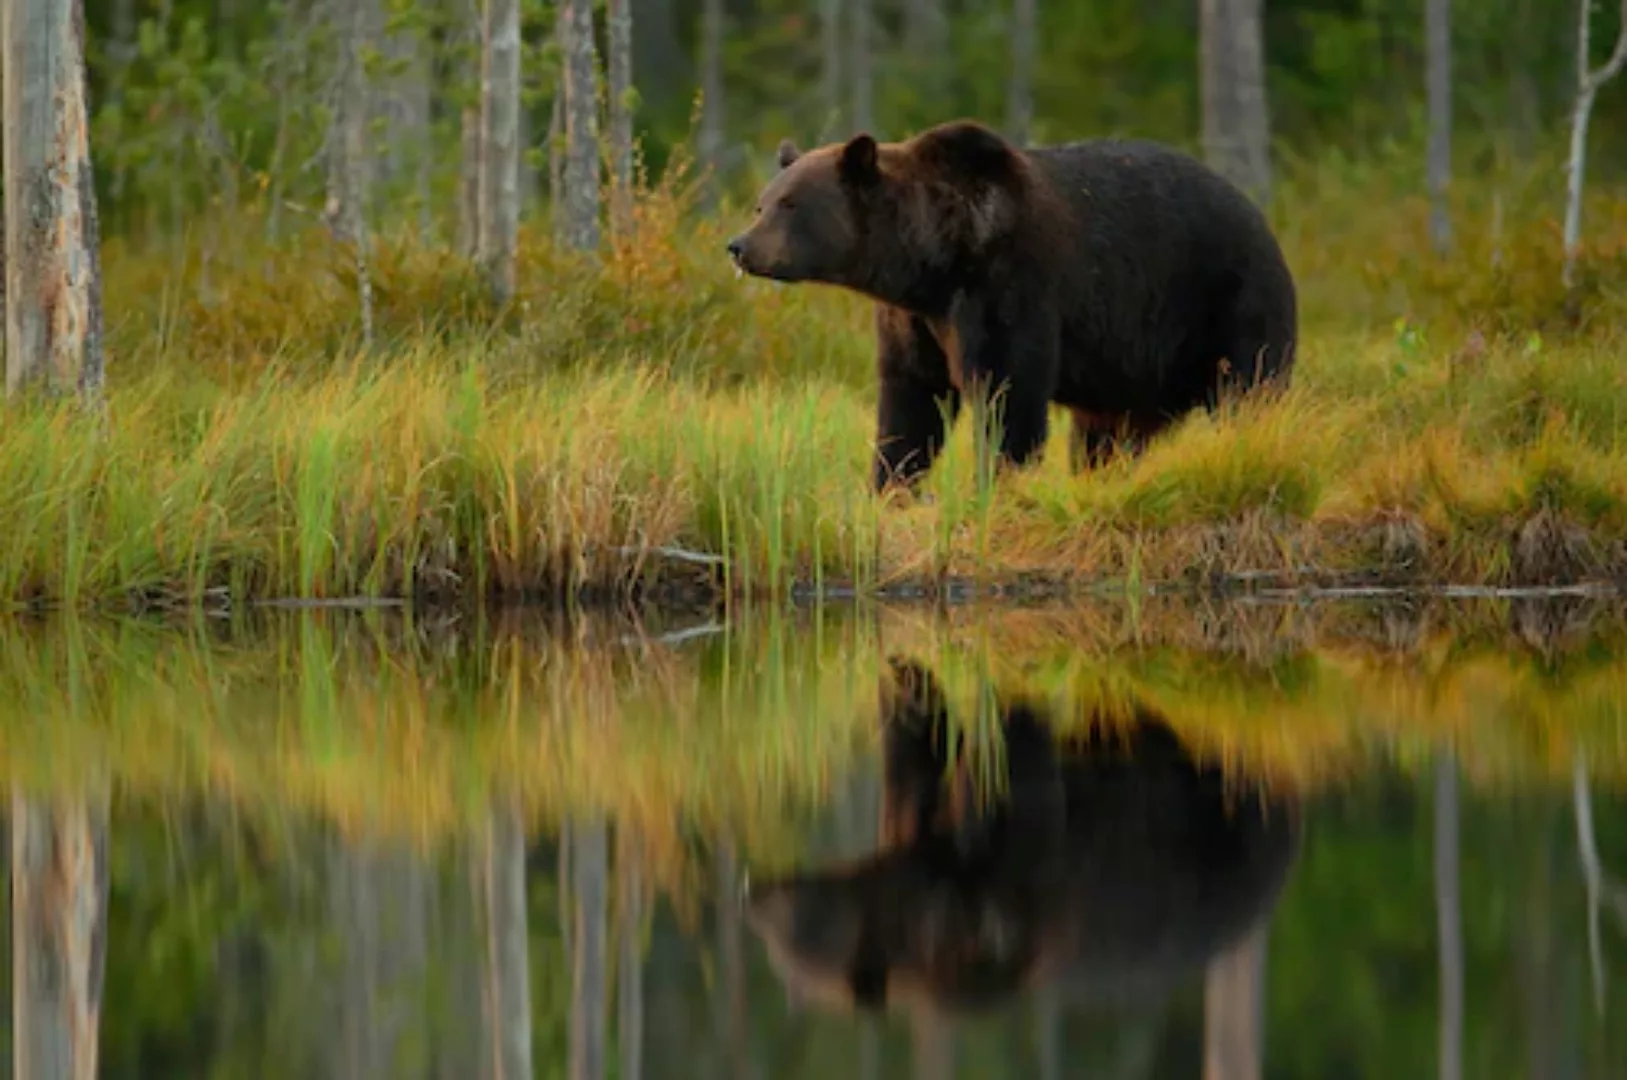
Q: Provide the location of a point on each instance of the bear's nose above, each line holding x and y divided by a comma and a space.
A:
736, 246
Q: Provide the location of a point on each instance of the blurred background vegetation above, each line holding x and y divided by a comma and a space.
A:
197, 102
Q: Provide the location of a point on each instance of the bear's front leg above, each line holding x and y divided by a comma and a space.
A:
915, 396
1009, 367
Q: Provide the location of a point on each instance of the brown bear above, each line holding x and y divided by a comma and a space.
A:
1112, 865
1121, 279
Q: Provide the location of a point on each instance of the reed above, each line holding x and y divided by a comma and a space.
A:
645, 425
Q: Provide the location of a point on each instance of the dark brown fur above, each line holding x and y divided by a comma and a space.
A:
1118, 279
1113, 863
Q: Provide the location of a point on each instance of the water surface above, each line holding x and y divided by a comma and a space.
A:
1304, 841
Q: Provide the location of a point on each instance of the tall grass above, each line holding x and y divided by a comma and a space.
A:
647, 422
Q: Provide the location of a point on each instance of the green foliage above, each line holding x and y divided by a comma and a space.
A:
185, 101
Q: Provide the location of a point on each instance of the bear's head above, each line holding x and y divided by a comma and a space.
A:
905, 930
896, 221
936, 916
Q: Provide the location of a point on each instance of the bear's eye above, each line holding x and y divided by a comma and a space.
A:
787, 203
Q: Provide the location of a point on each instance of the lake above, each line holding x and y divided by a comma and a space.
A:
1248, 839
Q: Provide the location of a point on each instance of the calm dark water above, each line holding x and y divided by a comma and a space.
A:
1301, 842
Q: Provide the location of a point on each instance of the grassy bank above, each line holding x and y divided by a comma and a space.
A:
653, 423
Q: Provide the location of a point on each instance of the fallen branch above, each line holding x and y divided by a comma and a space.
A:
699, 558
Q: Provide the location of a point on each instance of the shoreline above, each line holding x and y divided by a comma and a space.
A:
684, 592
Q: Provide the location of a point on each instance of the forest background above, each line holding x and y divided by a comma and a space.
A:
577, 388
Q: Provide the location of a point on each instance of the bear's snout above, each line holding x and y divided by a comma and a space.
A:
737, 253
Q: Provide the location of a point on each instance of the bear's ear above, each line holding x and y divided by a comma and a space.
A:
788, 153
858, 164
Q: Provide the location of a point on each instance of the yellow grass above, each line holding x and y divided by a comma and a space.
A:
1450, 421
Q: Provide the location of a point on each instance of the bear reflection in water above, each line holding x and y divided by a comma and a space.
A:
1112, 865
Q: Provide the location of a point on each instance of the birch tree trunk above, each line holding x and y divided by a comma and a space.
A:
472, 145
506, 987
864, 91
1048, 1033
1603, 890
732, 1026
53, 285
658, 57
378, 896
556, 159
926, 30
630, 966
349, 163
830, 65
121, 52
1438, 35
1236, 121
581, 127
59, 877
405, 107
1448, 918
619, 20
1588, 83
1233, 1010
500, 150
589, 873
710, 136
932, 1045
1020, 90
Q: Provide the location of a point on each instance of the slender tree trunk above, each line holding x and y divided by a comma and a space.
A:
1448, 918
1236, 120
659, 59
731, 1007
473, 146
379, 898
121, 51
864, 92
405, 105
59, 878
630, 968
1233, 1010
926, 43
500, 134
1534, 948
589, 887
712, 104
830, 65
461, 1045
1588, 83
1020, 89
1603, 891
556, 160
581, 127
506, 993
53, 263
1048, 1034
1438, 33
1524, 51
619, 20
932, 1045
349, 172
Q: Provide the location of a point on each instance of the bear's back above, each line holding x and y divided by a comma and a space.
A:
1134, 191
